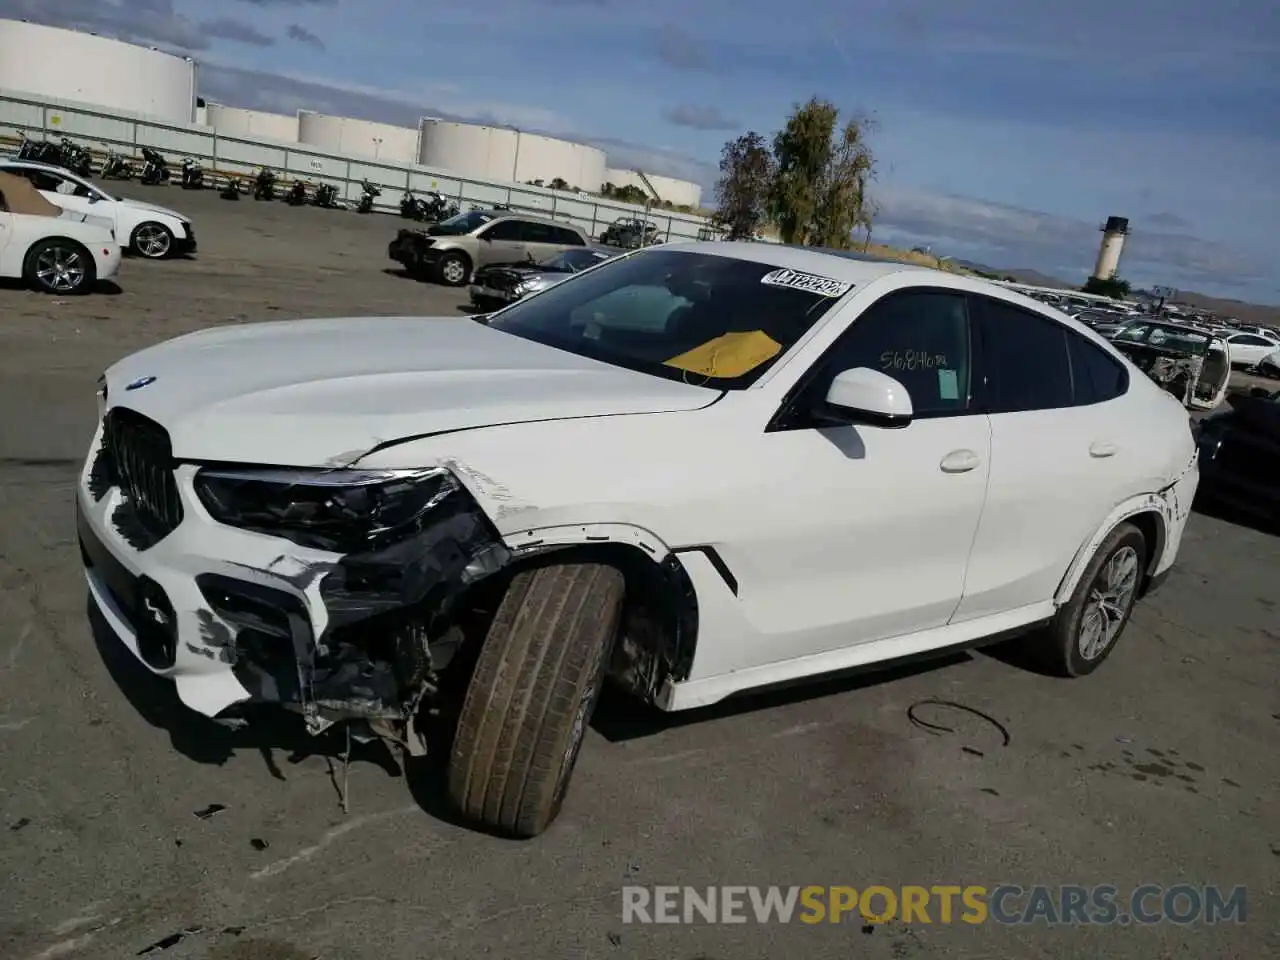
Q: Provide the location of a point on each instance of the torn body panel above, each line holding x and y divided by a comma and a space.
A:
1170, 506
228, 581
233, 614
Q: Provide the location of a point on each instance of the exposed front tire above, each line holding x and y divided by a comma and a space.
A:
453, 269
60, 266
152, 240
1087, 628
531, 697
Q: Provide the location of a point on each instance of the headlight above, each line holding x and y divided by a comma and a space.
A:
344, 511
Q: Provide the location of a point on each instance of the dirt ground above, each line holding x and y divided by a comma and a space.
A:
131, 828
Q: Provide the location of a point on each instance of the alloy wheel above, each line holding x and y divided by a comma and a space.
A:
152, 240
1110, 599
60, 269
454, 271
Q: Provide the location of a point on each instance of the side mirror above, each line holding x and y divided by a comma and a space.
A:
867, 396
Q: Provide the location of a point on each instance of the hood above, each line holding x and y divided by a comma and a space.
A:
323, 392
151, 208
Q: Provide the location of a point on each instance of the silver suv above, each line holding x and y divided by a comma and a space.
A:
451, 251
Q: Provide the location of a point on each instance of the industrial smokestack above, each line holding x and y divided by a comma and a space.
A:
1113, 235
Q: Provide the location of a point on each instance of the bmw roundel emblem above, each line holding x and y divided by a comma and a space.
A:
140, 383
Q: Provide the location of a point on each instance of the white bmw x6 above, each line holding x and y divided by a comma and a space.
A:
694, 469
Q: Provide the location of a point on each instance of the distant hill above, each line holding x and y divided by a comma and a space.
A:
1019, 274
1244, 312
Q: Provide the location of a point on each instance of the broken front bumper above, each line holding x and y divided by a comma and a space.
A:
232, 616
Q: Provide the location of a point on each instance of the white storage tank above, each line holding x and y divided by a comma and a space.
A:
59, 64
501, 153
251, 124
678, 193
363, 138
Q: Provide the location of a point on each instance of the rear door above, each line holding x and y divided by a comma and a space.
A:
540, 240
1063, 454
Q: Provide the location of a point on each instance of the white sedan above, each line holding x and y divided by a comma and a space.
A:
697, 468
148, 230
54, 250
1249, 349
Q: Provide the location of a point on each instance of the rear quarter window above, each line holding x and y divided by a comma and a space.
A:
1096, 377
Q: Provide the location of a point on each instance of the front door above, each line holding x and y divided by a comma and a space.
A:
863, 533
502, 242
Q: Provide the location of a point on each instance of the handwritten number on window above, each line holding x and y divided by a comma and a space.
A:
912, 360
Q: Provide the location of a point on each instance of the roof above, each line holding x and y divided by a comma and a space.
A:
844, 265
20, 196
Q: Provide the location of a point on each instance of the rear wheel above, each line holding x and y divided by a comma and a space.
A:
60, 266
152, 240
1088, 627
532, 695
453, 269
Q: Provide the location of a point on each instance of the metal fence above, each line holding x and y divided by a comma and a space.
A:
104, 129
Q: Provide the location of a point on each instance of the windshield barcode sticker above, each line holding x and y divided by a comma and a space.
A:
808, 282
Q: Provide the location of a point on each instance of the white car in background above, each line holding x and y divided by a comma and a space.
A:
148, 230
1249, 350
54, 250
697, 468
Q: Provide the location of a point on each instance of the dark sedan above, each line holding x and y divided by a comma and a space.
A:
501, 283
1240, 454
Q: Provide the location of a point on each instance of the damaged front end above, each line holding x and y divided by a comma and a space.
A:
409, 545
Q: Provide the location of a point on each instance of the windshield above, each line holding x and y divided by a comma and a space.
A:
571, 261
703, 319
460, 224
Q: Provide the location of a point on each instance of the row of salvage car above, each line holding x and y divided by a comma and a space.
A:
62, 233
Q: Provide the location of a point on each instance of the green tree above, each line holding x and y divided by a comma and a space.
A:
820, 193
743, 192
1115, 287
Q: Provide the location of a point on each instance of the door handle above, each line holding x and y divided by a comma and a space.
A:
1102, 448
959, 461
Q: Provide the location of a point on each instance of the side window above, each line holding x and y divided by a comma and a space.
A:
532, 232
1249, 340
1024, 358
1095, 376
918, 337
505, 230
44, 181
566, 237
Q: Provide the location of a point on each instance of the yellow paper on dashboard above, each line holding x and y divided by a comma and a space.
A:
728, 355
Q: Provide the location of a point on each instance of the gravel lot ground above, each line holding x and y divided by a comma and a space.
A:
128, 823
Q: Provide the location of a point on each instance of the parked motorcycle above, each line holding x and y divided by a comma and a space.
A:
368, 193
297, 195
430, 207
155, 169
192, 175
264, 185
116, 167
73, 157
37, 151
326, 196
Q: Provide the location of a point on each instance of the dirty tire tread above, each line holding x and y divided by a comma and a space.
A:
543, 654
1056, 646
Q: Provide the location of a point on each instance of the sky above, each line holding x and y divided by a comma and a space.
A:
1005, 132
